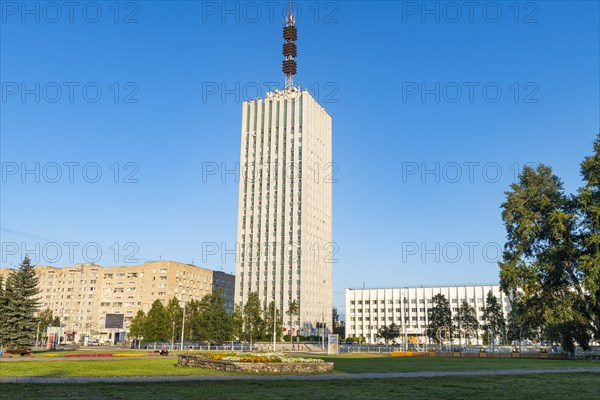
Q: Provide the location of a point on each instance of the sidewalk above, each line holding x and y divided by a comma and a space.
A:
327, 377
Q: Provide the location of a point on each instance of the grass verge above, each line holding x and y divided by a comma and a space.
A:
581, 386
100, 367
155, 366
369, 363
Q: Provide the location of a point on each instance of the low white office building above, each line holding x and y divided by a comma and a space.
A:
368, 310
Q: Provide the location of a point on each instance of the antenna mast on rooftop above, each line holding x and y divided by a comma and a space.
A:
290, 34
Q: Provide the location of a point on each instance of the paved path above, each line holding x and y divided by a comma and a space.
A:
327, 377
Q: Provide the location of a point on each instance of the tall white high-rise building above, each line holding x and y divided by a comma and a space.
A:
284, 214
284, 206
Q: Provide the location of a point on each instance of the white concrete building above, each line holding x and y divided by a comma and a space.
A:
368, 310
284, 228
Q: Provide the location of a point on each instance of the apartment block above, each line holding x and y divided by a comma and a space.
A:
83, 294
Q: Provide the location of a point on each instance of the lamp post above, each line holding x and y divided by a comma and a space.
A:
37, 334
274, 323
323, 328
403, 317
173, 335
62, 311
182, 326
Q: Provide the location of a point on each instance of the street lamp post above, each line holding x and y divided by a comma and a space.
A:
173, 335
60, 330
403, 317
37, 334
274, 323
182, 326
323, 328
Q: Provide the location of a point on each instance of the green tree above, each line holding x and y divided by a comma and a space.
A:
138, 325
46, 319
156, 326
388, 333
193, 324
253, 320
520, 324
269, 322
552, 254
493, 318
465, 322
21, 291
175, 316
213, 319
237, 322
440, 320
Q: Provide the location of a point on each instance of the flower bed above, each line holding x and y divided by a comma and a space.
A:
270, 363
128, 355
90, 355
262, 358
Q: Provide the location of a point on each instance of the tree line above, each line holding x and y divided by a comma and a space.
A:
207, 320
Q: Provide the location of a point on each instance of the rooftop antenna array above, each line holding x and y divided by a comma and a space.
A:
290, 51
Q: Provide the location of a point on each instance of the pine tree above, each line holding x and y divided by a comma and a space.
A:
21, 291
493, 317
440, 319
465, 322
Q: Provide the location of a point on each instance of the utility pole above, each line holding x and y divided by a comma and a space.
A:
182, 326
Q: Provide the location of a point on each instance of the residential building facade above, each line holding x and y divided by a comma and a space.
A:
82, 295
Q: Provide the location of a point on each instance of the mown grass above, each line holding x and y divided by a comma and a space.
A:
582, 386
374, 363
156, 366
151, 366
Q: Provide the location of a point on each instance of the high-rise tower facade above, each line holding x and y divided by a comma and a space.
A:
284, 215
284, 206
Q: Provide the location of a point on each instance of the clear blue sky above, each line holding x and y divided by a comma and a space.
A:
371, 62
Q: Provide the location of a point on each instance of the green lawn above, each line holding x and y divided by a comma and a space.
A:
152, 366
374, 363
548, 387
